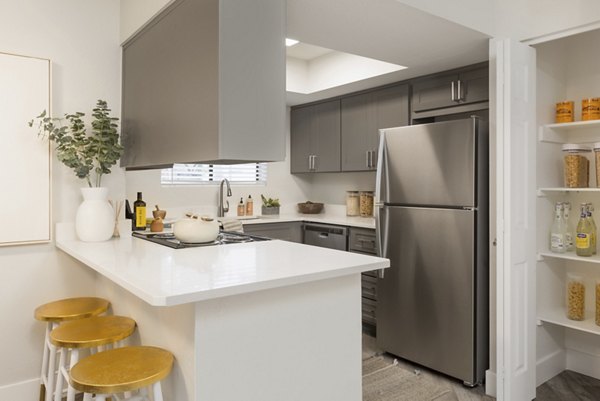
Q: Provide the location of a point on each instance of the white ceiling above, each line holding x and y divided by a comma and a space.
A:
384, 30
304, 51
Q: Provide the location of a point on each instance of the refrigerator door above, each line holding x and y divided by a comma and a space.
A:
426, 309
429, 165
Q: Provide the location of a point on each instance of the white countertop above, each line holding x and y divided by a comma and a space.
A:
163, 276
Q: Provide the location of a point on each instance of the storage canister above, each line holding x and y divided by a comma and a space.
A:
366, 203
597, 162
576, 165
575, 297
590, 109
352, 203
564, 112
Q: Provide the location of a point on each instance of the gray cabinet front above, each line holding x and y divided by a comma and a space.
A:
451, 89
287, 231
362, 116
315, 138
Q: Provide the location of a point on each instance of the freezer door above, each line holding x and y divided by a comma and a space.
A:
429, 164
425, 309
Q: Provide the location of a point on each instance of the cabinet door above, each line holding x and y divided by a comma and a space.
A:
474, 86
301, 126
391, 110
433, 93
357, 127
325, 136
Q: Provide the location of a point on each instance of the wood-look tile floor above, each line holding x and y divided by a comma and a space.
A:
567, 386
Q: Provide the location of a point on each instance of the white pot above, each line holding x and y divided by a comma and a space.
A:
194, 230
95, 218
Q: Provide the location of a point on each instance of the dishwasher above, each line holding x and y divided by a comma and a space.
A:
326, 236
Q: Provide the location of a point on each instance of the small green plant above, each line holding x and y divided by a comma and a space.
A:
84, 154
269, 202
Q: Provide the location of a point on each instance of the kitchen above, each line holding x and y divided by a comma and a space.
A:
44, 273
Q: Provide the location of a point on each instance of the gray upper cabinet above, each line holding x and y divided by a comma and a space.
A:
315, 138
363, 116
204, 81
451, 89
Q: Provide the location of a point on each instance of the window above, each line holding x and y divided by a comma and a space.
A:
194, 174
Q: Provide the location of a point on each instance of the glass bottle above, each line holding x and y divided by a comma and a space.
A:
583, 241
558, 230
249, 206
241, 209
139, 212
570, 229
589, 210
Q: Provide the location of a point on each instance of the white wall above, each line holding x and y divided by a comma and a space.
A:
81, 39
135, 13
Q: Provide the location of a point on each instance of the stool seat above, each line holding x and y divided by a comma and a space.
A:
92, 332
71, 309
121, 370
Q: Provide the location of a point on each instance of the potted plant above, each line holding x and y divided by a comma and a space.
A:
90, 156
269, 206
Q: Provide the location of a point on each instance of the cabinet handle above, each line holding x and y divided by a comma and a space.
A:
368, 155
373, 161
309, 162
452, 88
460, 94
314, 162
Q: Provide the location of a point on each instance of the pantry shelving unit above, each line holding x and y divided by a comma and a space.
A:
566, 70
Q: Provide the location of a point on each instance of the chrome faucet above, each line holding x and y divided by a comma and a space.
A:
221, 209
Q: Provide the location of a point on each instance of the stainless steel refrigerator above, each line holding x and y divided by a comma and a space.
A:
432, 223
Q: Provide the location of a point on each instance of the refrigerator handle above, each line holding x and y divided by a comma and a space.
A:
382, 234
381, 175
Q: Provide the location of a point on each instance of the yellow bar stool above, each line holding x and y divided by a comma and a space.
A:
54, 313
93, 333
119, 372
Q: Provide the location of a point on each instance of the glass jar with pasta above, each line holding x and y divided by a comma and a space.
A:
366, 203
575, 297
576, 165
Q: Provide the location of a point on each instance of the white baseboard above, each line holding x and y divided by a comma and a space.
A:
490, 383
550, 366
583, 363
28, 390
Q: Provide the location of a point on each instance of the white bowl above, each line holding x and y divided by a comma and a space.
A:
195, 230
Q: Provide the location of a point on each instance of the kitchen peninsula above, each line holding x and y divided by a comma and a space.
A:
270, 320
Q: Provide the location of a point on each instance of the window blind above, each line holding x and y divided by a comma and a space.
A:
194, 174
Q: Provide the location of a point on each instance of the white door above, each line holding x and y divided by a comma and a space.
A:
512, 111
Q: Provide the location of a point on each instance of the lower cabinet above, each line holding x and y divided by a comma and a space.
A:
287, 231
362, 240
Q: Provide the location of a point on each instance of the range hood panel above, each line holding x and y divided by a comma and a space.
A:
204, 81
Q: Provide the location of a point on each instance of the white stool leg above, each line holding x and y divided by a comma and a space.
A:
87, 397
100, 397
73, 361
59, 375
51, 372
157, 391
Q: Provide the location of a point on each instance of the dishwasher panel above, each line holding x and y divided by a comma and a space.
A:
326, 236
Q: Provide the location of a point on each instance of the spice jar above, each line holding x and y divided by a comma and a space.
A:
352, 203
590, 109
564, 112
575, 297
576, 165
366, 203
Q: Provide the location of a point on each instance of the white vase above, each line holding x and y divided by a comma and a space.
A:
95, 219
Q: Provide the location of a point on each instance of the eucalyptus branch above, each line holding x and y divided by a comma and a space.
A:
84, 154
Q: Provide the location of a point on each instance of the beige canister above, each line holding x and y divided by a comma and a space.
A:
590, 109
564, 112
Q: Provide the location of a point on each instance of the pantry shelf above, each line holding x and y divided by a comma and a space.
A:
543, 191
569, 256
575, 132
558, 316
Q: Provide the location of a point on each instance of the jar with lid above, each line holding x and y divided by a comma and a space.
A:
352, 203
575, 165
366, 203
575, 297
564, 112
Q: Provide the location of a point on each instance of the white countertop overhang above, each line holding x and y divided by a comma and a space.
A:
163, 276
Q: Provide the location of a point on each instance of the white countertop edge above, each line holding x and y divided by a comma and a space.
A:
359, 222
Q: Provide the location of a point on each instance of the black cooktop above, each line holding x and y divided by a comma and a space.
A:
224, 238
